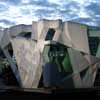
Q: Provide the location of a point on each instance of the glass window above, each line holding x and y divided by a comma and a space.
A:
50, 34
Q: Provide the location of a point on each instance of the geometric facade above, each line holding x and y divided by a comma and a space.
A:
66, 54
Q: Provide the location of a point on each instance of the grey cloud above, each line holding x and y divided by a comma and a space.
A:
93, 7
68, 9
7, 22
82, 20
45, 12
93, 10
12, 2
3, 8
87, 21
25, 11
43, 3
67, 12
71, 4
1, 27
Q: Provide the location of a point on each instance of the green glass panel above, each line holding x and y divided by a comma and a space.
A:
67, 64
58, 54
58, 65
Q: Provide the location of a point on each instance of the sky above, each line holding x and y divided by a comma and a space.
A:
14, 12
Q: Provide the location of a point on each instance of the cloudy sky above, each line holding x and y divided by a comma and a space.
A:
14, 12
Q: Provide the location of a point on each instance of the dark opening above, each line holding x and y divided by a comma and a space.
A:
8, 76
28, 35
97, 79
41, 82
83, 73
6, 73
25, 35
2, 54
93, 44
50, 34
10, 50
